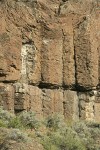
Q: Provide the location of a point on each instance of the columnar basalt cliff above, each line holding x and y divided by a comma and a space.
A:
50, 57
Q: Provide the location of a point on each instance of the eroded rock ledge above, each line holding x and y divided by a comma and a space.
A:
50, 57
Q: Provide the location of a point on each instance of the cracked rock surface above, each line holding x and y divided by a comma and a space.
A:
50, 57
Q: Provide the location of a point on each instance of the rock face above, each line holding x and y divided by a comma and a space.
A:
50, 57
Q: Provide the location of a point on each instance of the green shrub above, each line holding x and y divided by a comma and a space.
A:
15, 123
61, 137
76, 136
87, 134
63, 141
29, 120
3, 123
55, 135
17, 135
54, 122
5, 115
24, 120
3, 135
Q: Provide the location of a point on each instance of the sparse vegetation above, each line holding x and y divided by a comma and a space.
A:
54, 122
22, 121
74, 136
28, 119
57, 134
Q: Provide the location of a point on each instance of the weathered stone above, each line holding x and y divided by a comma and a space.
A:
86, 105
52, 101
36, 101
70, 7
7, 97
51, 52
21, 97
97, 112
86, 54
68, 54
30, 71
47, 49
71, 109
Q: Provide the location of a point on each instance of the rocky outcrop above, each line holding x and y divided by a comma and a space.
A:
50, 57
